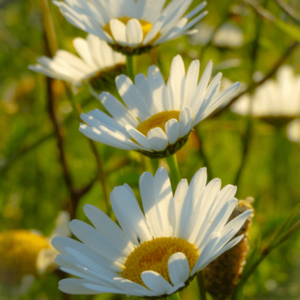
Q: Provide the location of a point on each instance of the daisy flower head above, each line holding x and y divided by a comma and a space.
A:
26, 254
97, 65
132, 26
155, 253
159, 117
276, 102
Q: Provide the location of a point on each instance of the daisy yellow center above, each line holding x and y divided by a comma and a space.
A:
146, 27
19, 250
154, 255
158, 120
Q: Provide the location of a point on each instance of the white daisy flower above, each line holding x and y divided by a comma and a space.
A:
97, 64
26, 254
158, 117
293, 131
274, 100
155, 253
132, 26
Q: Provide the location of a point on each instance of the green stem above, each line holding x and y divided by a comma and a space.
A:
202, 289
174, 170
130, 66
174, 297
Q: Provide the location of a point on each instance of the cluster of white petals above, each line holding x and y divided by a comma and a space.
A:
198, 213
150, 96
95, 56
166, 23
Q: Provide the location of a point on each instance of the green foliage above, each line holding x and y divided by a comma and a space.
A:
32, 185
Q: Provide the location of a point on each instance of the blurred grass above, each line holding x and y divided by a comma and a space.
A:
32, 189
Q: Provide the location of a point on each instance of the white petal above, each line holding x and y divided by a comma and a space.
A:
179, 197
74, 287
196, 186
172, 130
185, 121
97, 242
134, 33
163, 197
139, 137
191, 82
179, 269
156, 282
118, 110
160, 98
149, 204
158, 139
118, 30
108, 228
132, 97
176, 82
129, 215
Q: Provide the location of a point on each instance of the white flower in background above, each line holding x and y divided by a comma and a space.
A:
132, 26
158, 117
273, 100
96, 61
26, 254
155, 253
293, 131
228, 35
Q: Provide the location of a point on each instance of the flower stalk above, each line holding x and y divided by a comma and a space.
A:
130, 66
174, 170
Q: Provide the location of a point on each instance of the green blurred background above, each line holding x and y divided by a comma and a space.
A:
32, 187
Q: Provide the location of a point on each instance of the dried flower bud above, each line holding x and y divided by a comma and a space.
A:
221, 275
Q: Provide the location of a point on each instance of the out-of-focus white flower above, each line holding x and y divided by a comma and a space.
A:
155, 253
132, 26
228, 35
293, 131
158, 117
274, 99
26, 254
97, 60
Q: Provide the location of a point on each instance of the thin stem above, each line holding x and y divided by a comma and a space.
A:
248, 133
202, 289
49, 26
288, 10
130, 66
174, 297
101, 173
174, 170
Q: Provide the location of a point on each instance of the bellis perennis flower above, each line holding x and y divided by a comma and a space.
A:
155, 253
158, 117
97, 64
132, 26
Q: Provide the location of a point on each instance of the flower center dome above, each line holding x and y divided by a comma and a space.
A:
154, 255
158, 120
146, 27
19, 250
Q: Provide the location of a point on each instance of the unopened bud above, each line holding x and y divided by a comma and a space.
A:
221, 275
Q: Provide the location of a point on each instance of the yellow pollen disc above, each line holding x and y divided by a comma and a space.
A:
146, 27
158, 120
154, 255
19, 250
